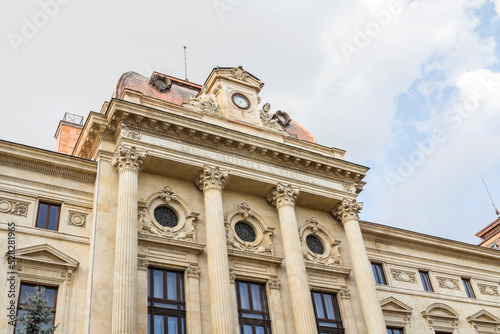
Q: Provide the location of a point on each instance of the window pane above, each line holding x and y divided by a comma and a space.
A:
19, 326
158, 283
42, 215
159, 324
329, 307
257, 306
259, 330
319, 305
245, 302
25, 290
181, 284
54, 214
247, 329
172, 286
172, 325
50, 294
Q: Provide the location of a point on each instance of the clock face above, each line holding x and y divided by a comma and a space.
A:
240, 101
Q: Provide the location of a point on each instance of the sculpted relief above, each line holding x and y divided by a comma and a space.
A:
319, 245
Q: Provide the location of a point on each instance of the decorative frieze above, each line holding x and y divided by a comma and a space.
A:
77, 219
15, 208
403, 276
318, 244
283, 195
212, 177
347, 210
448, 283
489, 290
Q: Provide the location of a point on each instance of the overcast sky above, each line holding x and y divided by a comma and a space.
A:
409, 89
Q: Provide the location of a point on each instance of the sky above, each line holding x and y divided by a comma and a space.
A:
410, 89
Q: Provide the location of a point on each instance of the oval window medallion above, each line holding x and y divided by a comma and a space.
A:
166, 217
315, 244
245, 232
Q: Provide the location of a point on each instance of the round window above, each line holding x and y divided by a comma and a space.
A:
244, 231
166, 216
315, 244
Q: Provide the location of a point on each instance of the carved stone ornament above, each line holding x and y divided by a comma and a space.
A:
345, 293
77, 219
349, 187
263, 241
212, 177
484, 322
441, 317
193, 271
489, 290
128, 159
274, 283
403, 276
15, 208
283, 195
142, 264
129, 133
346, 210
239, 73
282, 117
448, 283
331, 247
232, 278
205, 101
184, 229
160, 82
268, 121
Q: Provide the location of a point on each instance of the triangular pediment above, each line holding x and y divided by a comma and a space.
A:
391, 304
45, 254
484, 316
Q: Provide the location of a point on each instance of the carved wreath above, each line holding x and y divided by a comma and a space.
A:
331, 247
263, 243
185, 229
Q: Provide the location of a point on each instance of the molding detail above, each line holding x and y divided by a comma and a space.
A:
274, 283
185, 228
77, 219
441, 317
232, 278
331, 254
212, 178
263, 243
15, 208
489, 290
283, 195
396, 313
345, 293
128, 159
193, 271
347, 210
448, 283
403, 276
129, 133
142, 264
239, 73
483, 322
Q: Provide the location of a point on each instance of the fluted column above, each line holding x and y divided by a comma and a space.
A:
128, 163
347, 212
283, 197
211, 181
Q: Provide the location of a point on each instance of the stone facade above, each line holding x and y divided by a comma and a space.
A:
163, 183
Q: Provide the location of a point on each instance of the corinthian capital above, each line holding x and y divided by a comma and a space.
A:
346, 210
212, 178
282, 195
128, 159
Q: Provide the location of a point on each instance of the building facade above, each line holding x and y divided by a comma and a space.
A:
181, 208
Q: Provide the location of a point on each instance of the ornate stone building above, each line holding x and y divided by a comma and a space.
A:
181, 208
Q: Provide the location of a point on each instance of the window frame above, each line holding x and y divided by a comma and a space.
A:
47, 218
382, 280
391, 330
179, 312
340, 329
265, 322
53, 309
426, 280
469, 290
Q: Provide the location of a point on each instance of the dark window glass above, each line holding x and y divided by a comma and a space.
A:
48, 216
244, 231
50, 294
315, 245
468, 288
166, 216
327, 313
426, 281
391, 330
378, 273
253, 315
166, 306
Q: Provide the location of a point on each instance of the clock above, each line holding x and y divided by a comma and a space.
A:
241, 101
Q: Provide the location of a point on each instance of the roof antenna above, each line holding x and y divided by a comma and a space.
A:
496, 211
185, 65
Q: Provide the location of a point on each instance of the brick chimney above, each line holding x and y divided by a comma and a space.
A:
67, 133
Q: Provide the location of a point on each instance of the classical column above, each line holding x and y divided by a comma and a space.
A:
211, 181
128, 163
283, 197
347, 212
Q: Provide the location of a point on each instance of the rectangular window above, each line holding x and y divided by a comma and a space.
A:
327, 313
426, 281
48, 216
378, 273
253, 315
468, 288
166, 306
28, 289
391, 330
